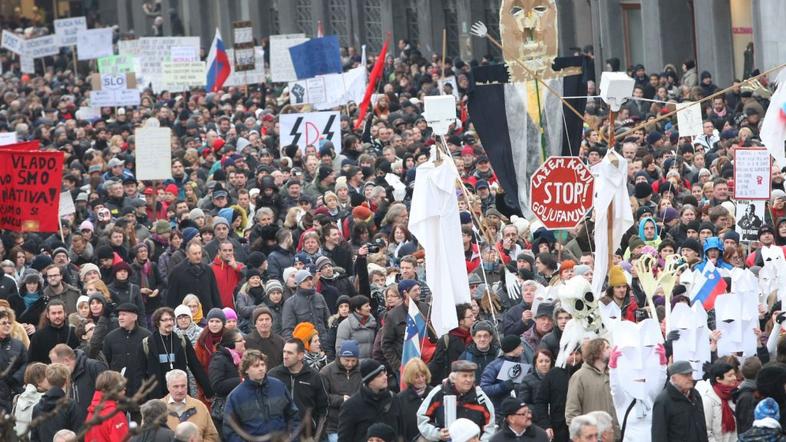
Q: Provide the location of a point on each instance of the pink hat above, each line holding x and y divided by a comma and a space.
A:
229, 313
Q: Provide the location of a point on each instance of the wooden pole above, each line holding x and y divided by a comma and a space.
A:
444, 50
73, 57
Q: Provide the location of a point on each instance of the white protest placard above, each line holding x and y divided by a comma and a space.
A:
45, 46
114, 98
514, 371
117, 64
243, 34
26, 64
182, 54
153, 153
247, 77
7, 138
88, 114
281, 67
66, 204
152, 52
331, 91
689, 122
309, 128
12, 42
66, 30
752, 174
94, 43
749, 216
453, 86
191, 73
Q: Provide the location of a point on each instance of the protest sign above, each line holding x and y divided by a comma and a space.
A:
66, 30
117, 64
330, 91
12, 42
689, 122
45, 46
310, 128
152, 52
191, 73
513, 371
7, 138
66, 204
94, 43
247, 77
26, 64
182, 54
88, 114
449, 86
752, 174
318, 56
281, 67
30, 190
243, 44
749, 216
114, 90
153, 153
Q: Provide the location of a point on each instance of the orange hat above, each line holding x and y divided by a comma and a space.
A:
567, 265
362, 212
305, 331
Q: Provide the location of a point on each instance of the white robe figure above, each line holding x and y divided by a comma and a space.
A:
639, 374
434, 220
610, 188
694, 342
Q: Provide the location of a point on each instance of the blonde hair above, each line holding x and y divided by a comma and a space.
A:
413, 368
101, 287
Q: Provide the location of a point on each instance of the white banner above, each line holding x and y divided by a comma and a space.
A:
190, 73
66, 30
12, 42
152, 52
66, 204
310, 128
27, 64
41, 47
94, 43
153, 153
114, 98
281, 68
330, 91
182, 54
7, 138
689, 122
247, 77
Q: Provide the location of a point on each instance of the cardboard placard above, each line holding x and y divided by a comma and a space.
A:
752, 174
330, 91
749, 216
111, 90
281, 67
117, 64
66, 204
66, 30
94, 43
7, 138
257, 75
152, 52
191, 73
153, 153
310, 128
689, 121
26, 64
12, 42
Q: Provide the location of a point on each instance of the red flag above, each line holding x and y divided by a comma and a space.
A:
30, 190
376, 73
26, 145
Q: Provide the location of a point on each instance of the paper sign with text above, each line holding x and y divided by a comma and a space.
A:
26, 64
689, 122
30, 190
66, 30
309, 128
752, 174
153, 153
45, 46
12, 42
94, 43
191, 73
281, 67
117, 64
330, 91
7, 138
66, 204
749, 217
247, 77
152, 52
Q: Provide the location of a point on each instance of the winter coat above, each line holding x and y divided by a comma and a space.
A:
410, 402
338, 382
120, 351
393, 330
23, 411
69, 296
159, 434
366, 408
329, 341
364, 334
195, 412
713, 413
306, 390
549, 406
193, 278
745, 400
589, 390
272, 346
113, 429
152, 281
127, 292
67, 416
342, 285
246, 301
481, 358
45, 339
473, 405
529, 386
675, 418
227, 280
532, 434
304, 306
550, 341
511, 320
13, 361
763, 434
149, 352
497, 390
278, 260
223, 373
260, 408
449, 348
83, 381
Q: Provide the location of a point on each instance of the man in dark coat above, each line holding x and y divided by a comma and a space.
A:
263, 339
372, 404
55, 331
678, 411
548, 411
61, 410
84, 373
452, 345
121, 344
517, 426
193, 276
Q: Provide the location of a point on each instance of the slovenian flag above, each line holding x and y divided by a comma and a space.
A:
218, 68
708, 286
413, 335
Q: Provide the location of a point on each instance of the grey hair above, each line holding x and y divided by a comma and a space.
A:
171, 375
602, 419
153, 410
579, 422
185, 431
64, 436
263, 211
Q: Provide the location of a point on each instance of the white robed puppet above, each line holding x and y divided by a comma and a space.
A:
637, 372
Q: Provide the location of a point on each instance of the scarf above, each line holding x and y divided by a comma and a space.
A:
727, 415
198, 315
235, 356
464, 334
144, 275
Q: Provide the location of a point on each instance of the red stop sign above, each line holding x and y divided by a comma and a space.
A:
561, 192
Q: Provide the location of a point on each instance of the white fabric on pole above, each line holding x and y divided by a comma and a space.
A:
773, 128
434, 220
610, 188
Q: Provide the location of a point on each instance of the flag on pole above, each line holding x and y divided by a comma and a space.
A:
708, 286
218, 68
376, 73
413, 336
773, 127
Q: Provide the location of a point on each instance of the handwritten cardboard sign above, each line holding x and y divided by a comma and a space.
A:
752, 174
30, 190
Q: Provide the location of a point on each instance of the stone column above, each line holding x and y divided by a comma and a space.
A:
714, 46
769, 33
287, 17
122, 17
430, 23
667, 33
467, 12
607, 35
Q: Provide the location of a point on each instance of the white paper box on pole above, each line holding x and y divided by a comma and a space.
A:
440, 112
615, 88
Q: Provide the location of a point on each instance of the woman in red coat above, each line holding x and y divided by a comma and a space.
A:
115, 426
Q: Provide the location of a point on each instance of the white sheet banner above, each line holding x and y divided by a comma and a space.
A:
45, 46
94, 43
329, 91
153, 153
310, 128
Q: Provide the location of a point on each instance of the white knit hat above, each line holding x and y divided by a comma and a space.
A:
462, 430
183, 310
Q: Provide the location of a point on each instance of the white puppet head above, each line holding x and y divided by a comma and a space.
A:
572, 339
693, 344
577, 298
639, 370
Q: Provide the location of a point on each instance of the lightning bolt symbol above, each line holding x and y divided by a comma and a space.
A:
295, 132
327, 132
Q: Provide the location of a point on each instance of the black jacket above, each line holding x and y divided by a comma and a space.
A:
393, 333
549, 407
338, 382
83, 381
13, 361
158, 434
444, 355
123, 292
198, 279
149, 366
278, 260
67, 417
365, 408
511, 320
677, 418
745, 400
533, 434
306, 389
410, 401
47, 337
222, 373
120, 349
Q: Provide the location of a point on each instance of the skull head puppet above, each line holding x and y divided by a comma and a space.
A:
577, 299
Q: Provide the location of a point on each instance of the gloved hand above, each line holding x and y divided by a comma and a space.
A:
615, 354
673, 335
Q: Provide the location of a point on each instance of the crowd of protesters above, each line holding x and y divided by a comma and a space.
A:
265, 289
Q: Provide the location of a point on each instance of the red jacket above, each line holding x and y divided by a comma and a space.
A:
227, 279
113, 429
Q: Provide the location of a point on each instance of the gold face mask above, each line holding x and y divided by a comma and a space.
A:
529, 34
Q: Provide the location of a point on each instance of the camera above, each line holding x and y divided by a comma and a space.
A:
375, 246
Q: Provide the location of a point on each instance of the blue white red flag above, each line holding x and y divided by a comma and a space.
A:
708, 286
218, 68
413, 336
